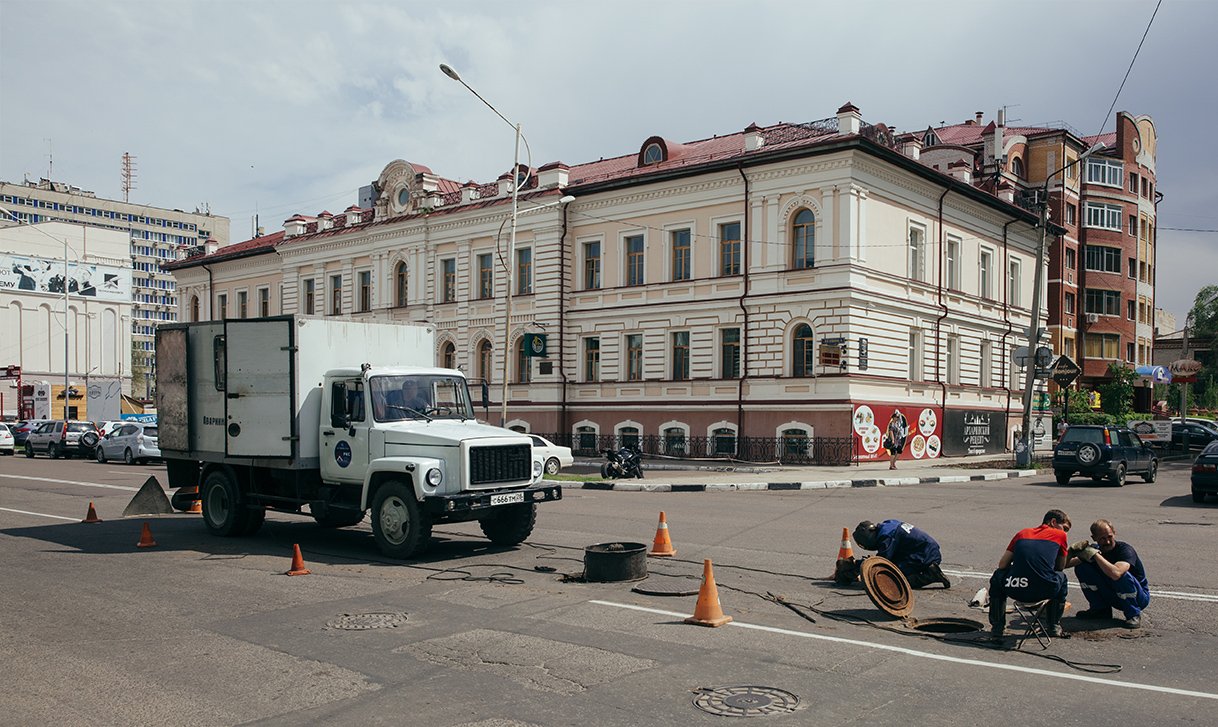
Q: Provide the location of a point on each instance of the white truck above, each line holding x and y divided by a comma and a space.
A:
340, 416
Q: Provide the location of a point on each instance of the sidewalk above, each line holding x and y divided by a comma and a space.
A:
663, 477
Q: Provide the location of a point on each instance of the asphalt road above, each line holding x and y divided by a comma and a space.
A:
204, 630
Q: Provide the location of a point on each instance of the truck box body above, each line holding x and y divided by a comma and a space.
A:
267, 405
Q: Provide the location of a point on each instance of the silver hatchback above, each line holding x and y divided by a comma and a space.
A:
133, 442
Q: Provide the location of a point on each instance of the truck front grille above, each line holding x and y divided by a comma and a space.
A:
500, 463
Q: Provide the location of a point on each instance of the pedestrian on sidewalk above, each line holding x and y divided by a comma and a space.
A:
894, 437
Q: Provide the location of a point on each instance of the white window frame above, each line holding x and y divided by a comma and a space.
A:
917, 252
985, 274
951, 354
1103, 216
953, 262
914, 354
1014, 282
359, 289
985, 373
1106, 172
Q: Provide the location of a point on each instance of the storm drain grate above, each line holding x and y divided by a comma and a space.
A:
747, 701
366, 621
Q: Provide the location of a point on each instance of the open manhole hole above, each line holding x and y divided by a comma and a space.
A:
747, 701
947, 625
674, 587
366, 621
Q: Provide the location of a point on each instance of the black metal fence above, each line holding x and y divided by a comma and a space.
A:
783, 450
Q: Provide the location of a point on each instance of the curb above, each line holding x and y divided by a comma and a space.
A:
636, 486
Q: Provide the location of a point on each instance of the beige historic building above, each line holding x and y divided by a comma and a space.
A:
782, 284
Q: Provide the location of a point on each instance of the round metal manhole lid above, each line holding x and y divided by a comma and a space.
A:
745, 701
366, 621
887, 587
673, 587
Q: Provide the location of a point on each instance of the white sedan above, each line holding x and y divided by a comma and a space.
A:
555, 457
7, 444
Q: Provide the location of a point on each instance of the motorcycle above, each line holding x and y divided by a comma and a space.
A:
624, 462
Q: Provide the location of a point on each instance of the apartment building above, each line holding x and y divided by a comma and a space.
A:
1101, 275
787, 284
157, 236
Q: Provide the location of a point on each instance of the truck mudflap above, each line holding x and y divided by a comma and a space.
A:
486, 499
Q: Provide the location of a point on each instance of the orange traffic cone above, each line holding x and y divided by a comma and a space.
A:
196, 506
91, 517
846, 550
146, 540
662, 545
708, 612
298, 568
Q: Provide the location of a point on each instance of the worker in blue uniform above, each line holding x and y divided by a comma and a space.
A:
911, 549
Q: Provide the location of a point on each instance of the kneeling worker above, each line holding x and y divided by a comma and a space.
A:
1111, 575
911, 549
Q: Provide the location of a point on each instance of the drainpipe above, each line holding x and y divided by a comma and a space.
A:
211, 303
744, 311
562, 321
943, 314
1006, 316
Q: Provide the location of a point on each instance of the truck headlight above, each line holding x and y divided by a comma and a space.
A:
536, 468
435, 476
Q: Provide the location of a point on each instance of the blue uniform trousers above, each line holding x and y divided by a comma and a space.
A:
1125, 594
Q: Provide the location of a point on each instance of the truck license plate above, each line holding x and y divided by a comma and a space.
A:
507, 499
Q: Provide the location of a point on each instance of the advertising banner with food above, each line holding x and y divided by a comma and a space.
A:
967, 432
923, 438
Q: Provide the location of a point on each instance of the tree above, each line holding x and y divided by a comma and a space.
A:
1116, 394
1203, 340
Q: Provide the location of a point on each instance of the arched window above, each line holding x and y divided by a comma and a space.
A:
484, 360
794, 445
628, 436
400, 285
803, 232
653, 154
585, 440
448, 356
1017, 167
930, 138
194, 307
675, 444
724, 441
801, 351
524, 364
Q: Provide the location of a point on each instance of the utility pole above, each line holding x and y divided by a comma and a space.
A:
1034, 329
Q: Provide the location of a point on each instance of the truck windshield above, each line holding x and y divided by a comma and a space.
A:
395, 398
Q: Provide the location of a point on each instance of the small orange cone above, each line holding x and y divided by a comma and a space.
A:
847, 550
708, 612
662, 545
91, 517
298, 568
146, 540
196, 506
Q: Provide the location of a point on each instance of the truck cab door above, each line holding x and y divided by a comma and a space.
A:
344, 436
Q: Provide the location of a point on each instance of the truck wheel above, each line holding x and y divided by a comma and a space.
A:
253, 521
334, 518
222, 510
397, 525
512, 525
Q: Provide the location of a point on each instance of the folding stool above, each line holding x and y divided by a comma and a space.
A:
1032, 613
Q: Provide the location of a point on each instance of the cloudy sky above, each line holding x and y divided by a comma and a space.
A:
277, 107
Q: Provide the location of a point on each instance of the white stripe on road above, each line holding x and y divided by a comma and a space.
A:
1154, 593
72, 482
935, 657
39, 514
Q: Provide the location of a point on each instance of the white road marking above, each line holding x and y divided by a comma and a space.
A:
39, 514
1154, 593
72, 482
928, 655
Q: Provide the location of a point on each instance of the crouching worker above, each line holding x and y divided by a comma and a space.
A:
1031, 570
911, 549
1111, 576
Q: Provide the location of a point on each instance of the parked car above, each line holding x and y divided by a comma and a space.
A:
1212, 424
22, 429
1103, 452
133, 442
1205, 473
1199, 435
6, 441
555, 456
61, 438
106, 427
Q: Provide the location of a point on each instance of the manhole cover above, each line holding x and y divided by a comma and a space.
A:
745, 701
674, 587
365, 621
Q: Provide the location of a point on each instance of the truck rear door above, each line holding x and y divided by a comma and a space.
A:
260, 418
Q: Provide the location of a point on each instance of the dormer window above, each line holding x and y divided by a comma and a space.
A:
653, 154
1017, 167
930, 139
403, 197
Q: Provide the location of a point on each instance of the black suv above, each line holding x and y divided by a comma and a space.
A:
1103, 452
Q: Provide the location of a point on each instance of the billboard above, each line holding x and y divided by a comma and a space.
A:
43, 276
923, 441
967, 432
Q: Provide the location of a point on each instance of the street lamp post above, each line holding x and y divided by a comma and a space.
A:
1034, 325
517, 182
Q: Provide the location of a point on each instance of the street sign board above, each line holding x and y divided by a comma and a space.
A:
10, 372
1065, 371
535, 345
1020, 355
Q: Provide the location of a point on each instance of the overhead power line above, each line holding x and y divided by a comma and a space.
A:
1130, 69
